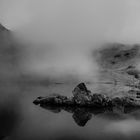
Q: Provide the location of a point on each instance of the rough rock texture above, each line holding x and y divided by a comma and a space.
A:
124, 101
81, 94
83, 97
100, 100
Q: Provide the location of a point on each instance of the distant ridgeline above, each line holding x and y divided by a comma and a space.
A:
120, 66
9, 55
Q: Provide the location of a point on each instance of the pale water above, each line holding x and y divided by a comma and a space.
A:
22, 120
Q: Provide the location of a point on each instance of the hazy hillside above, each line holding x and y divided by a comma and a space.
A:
119, 67
9, 56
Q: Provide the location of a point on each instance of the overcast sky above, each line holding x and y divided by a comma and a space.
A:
68, 29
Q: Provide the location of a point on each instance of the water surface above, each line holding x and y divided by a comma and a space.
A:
22, 120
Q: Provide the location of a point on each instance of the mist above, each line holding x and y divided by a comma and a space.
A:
60, 35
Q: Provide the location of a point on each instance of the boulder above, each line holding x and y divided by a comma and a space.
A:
82, 95
51, 99
100, 100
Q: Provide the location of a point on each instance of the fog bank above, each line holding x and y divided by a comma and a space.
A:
59, 35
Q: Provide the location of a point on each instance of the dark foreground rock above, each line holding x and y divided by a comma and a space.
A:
82, 97
54, 99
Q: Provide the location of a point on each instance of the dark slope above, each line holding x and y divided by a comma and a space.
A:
9, 92
9, 55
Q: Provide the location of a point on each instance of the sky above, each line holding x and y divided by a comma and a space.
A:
62, 33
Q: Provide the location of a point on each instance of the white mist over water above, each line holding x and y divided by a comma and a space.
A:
61, 34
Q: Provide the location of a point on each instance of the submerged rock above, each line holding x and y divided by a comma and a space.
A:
100, 100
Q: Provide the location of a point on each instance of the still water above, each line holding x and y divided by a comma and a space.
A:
20, 119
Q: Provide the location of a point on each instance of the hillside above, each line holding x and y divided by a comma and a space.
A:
9, 56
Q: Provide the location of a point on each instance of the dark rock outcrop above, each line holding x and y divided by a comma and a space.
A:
54, 99
124, 102
100, 100
83, 97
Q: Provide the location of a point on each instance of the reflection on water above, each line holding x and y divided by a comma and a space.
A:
10, 110
20, 119
82, 115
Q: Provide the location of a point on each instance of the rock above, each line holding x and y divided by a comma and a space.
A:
117, 101
100, 100
129, 102
134, 73
52, 99
83, 98
83, 104
124, 101
82, 95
